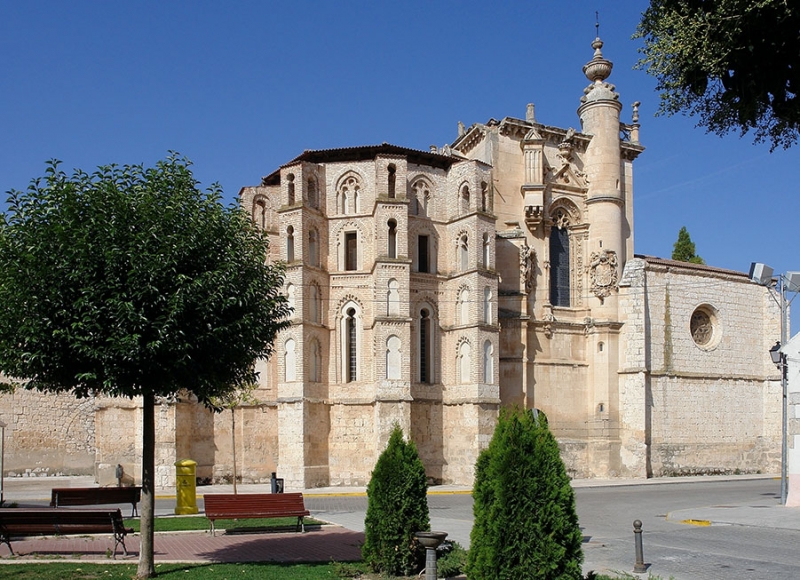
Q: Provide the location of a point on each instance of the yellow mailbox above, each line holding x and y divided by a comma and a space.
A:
186, 486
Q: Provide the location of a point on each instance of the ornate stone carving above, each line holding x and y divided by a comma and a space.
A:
527, 263
603, 273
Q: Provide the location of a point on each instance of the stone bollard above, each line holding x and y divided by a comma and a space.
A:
640, 566
430, 541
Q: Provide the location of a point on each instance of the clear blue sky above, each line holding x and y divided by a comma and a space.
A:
242, 87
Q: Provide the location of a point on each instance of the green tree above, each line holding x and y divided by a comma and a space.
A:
734, 64
684, 250
132, 282
397, 507
525, 520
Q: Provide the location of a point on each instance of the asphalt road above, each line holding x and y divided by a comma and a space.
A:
606, 516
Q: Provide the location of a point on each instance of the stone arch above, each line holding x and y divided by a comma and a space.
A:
348, 193
463, 360
463, 305
563, 209
421, 194
394, 359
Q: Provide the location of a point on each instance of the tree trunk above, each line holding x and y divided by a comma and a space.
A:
147, 568
233, 445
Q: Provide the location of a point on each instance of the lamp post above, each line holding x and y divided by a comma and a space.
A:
762, 274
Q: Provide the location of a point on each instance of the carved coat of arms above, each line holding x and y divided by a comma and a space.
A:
603, 273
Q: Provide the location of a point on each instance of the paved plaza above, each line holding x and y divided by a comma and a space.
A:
705, 527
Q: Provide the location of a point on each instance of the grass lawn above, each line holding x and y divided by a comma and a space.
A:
189, 523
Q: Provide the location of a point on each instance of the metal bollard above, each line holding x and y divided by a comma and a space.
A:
640, 566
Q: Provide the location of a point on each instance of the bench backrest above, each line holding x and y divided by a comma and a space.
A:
43, 520
66, 496
249, 504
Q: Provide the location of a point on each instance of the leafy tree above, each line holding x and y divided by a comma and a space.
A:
397, 507
525, 520
132, 282
734, 64
684, 250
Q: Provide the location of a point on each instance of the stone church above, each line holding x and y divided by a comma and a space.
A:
432, 288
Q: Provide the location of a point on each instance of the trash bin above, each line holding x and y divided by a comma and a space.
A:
186, 486
276, 483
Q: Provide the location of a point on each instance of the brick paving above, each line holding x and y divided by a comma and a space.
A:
323, 545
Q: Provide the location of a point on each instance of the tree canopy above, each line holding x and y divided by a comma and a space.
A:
133, 282
734, 64
684, 250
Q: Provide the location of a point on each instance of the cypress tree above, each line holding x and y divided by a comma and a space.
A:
525, 524
397, 507
684, 250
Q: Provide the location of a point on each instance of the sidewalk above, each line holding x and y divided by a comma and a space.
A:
339, 542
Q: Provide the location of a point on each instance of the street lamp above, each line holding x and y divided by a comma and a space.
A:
762, 274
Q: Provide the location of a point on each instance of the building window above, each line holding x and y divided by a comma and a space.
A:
465, 198
484, 196
463, 253
392, 243
704, 327
422, 195
393, 358
349, 196
464, 362
559, 267
260, 213
463, 306
313, 251
487, 305
313, 193
391, 181
488, 362
314, 300
290, 188
425, 347
423, 264
351, 251
393, 298
290, 299
315, 362
486, 251
290, 361
290, 244
351, 346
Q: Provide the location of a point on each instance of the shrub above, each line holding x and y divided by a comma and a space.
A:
525, 520
397, 507
451, 559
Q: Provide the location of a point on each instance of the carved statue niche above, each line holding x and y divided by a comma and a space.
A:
527, 266
603, 273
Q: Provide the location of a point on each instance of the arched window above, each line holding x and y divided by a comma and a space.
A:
392, 249
314, 302
393, 298
425, 347
484, 196
393, 358
465, 198
290, 244
313, 193
486, 251
559, 261
290, 360
290, 188
488, 362
315, 362
464, 362
463, 253
313, 248
351, 346
349, 196
422, 195
260, 213
487, 305
463, 306
391, 181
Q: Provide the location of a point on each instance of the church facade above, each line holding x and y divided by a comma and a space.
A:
432, 288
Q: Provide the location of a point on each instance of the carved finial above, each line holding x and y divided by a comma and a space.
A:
461, 129
635, 115
530, 113
597, 24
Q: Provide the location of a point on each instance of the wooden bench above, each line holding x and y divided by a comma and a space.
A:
24, 522
72, 496
228, 506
